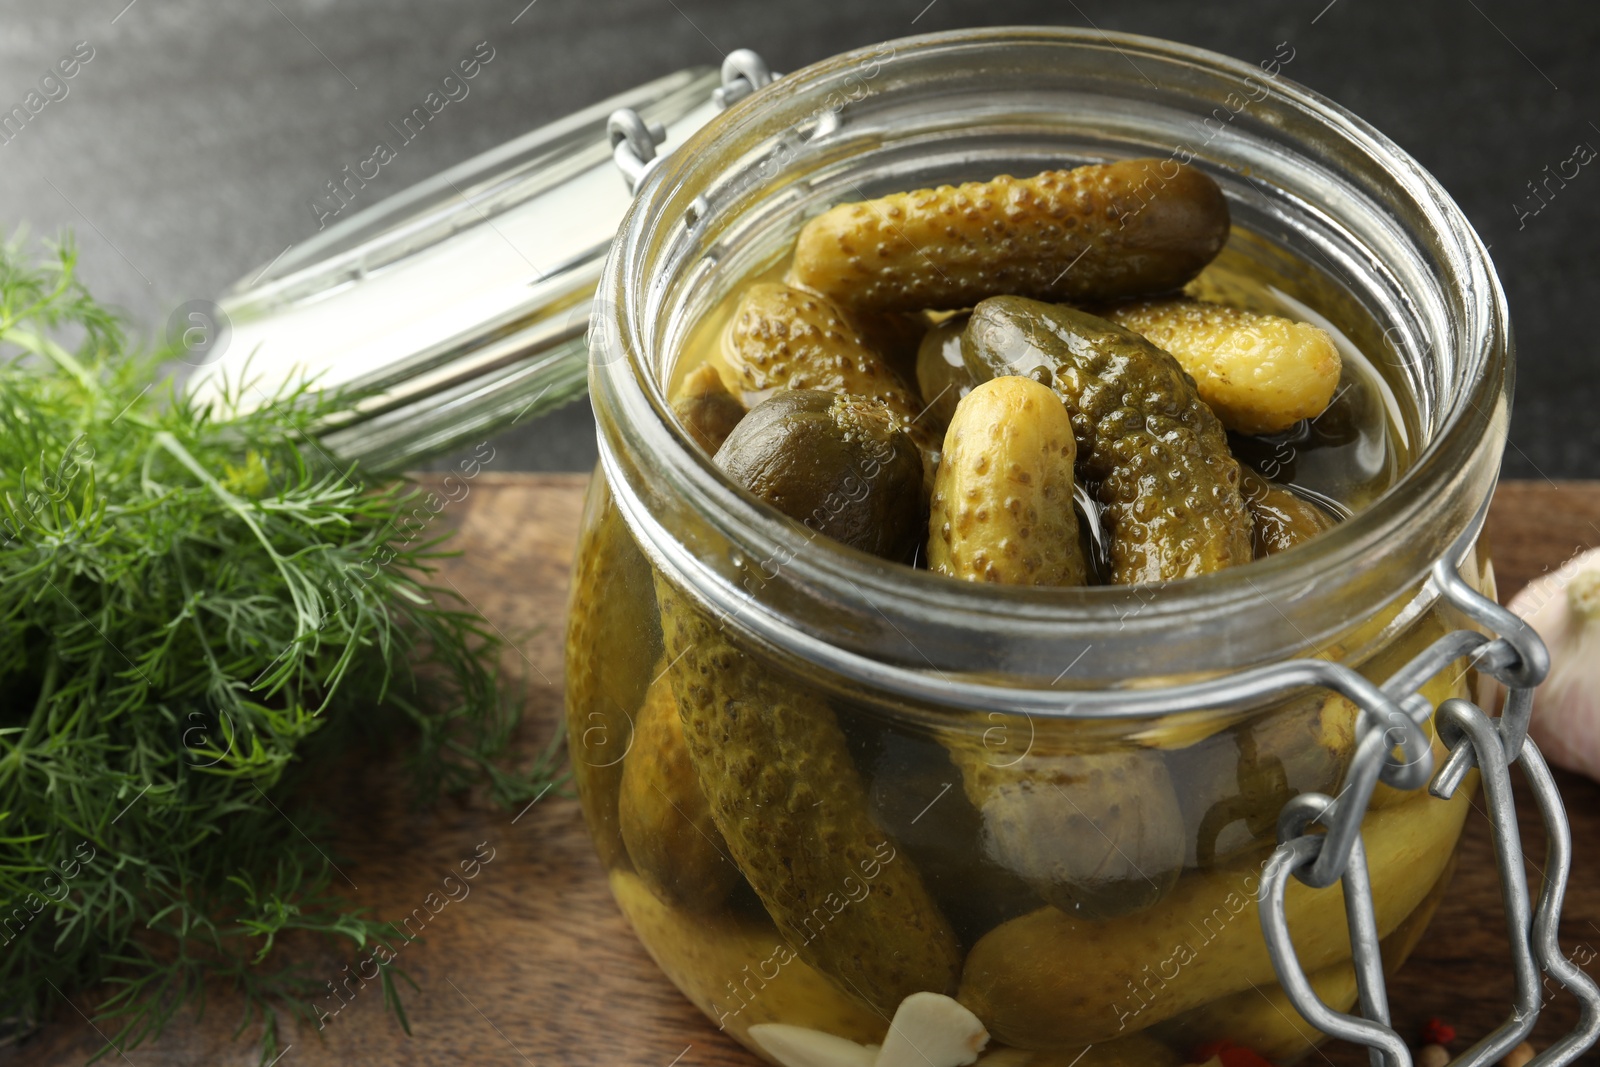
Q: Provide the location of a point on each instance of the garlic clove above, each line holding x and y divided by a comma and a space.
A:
1564, 607
800, 1046
932, 1030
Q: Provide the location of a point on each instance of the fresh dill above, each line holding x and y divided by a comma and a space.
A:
190, 605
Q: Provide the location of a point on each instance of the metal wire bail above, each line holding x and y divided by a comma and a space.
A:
1519, 660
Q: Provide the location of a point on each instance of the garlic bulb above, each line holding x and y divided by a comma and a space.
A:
1564, 607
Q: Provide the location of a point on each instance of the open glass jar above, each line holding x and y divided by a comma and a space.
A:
902, 767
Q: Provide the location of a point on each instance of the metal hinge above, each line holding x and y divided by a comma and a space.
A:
634, 142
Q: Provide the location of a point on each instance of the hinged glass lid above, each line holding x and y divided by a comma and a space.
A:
456, 305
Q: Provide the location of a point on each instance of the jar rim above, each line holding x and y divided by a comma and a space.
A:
648, 459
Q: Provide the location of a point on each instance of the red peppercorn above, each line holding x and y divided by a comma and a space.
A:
1239, 1056
1438, 1032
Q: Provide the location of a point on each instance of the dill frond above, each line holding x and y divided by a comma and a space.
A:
186, 600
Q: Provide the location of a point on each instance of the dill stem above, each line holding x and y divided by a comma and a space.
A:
304, 613
41, 711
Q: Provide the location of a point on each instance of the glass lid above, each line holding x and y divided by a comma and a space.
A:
457, 305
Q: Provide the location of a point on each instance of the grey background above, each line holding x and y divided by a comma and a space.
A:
187, 150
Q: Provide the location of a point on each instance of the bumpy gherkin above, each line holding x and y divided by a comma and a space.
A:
770, 756
783, 338
793, 810
1096, 833
612, 641
1002, 506
1106, 231
665, 821
1051, 980
1155, 452
1260, 373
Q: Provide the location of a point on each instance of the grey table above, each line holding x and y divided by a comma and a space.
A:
188, 150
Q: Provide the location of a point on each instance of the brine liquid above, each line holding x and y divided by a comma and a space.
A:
1343, 459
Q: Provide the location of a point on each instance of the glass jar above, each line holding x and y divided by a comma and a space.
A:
1012, 795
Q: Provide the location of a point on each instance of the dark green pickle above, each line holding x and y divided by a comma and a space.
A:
942, 376
842, 465
1282, 518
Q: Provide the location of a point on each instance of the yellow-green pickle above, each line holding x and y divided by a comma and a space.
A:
662, 812
1124, 228
1036, 386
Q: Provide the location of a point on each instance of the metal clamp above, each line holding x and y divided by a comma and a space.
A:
1519, 660
634, 141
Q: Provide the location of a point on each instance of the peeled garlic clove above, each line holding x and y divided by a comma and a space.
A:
1564, 607
932, 1030
800, 1046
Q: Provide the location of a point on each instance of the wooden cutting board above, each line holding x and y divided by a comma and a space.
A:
536, 966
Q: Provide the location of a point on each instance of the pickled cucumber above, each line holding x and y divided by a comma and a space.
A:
740, 974
770, 756
1260, 373
1263, 1019
1097, 834
1099, 232
942, 377
794, 813
705, 407
1094, 833
611, 646
1002, 506
783, 338
665, 822
1282, 518
1156, 455
1204, 942
839, 464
